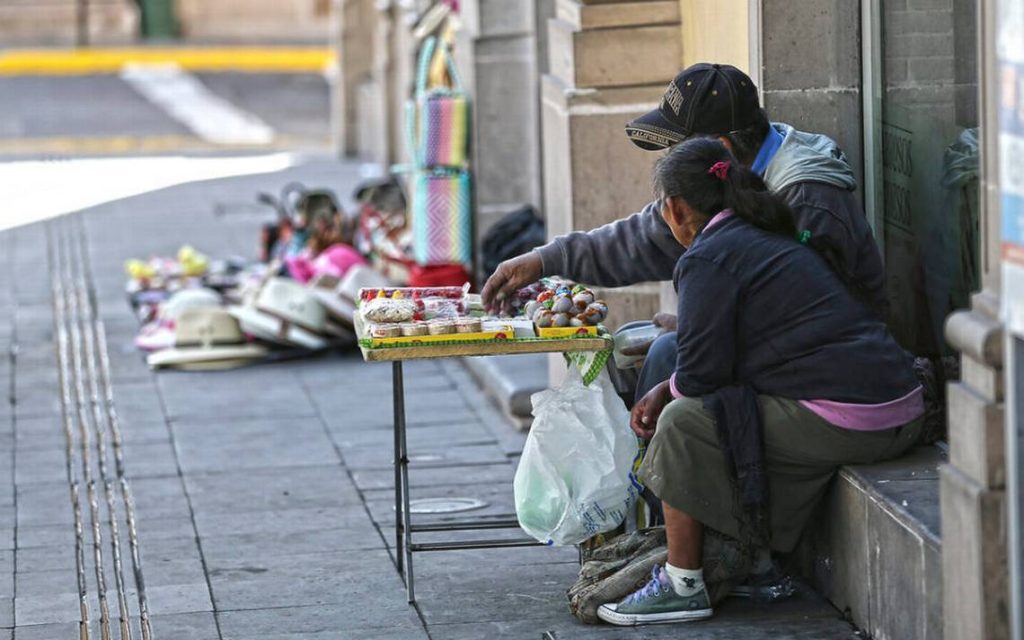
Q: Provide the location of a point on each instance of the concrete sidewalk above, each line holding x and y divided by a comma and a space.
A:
262, 497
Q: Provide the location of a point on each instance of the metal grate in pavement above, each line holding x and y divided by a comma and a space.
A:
92, 440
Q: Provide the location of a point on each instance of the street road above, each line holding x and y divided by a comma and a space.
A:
159, 109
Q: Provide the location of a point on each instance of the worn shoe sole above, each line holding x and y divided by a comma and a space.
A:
611, 616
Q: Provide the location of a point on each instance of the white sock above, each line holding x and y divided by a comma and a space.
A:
686, 582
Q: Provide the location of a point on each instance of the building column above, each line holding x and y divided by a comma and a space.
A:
608, 63
498, 60
973, 484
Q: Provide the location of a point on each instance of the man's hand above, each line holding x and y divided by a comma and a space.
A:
666, 321
643, 419
509, 277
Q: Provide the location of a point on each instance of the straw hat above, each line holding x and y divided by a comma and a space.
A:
361, 277
284, 312
159, 334
206, 338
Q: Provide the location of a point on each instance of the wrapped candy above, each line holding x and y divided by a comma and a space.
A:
562, 304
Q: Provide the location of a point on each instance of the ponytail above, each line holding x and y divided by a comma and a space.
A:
705, 174
748, 197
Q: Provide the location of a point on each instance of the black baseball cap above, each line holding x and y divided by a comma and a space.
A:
703, 99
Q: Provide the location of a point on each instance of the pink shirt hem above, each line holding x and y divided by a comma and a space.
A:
870, 417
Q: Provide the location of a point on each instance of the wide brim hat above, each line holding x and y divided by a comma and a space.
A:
341, 310
185, 299
361, 277
274, 330
285, 312
207, 337
220, 357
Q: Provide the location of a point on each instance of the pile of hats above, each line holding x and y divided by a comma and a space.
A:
278, 318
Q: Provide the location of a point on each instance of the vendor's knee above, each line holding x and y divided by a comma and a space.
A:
659, 365
684, 415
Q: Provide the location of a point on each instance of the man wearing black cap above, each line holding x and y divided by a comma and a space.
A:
807, 170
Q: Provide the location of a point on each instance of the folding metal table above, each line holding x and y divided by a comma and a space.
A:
404, 527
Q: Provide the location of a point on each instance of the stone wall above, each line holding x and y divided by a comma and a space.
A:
499, 58
259, 20
813, 81
608, 63
55, 22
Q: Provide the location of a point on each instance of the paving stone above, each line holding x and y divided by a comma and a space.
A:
49, 608
36, 559
364, 458
144, 432
497, 498
185, 626
138, 403
215, 396
255, 547
260, 450
433, 476
46, 631
264, 490
48, 535
149, 459
44, 433
41, 465
430, 437
328, 621
370, 598
283, 521
162, 572
150, 529
307, 566
42, 583
44, 503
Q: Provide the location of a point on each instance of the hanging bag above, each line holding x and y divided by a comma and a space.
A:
441, 203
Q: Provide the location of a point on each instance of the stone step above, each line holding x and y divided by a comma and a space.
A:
876, 550
510, 381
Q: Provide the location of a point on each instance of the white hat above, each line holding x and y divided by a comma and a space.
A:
207, 338
159, 334
185, 299
284, 312
325, 288
361, 277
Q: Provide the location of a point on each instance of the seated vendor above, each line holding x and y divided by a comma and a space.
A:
782, 375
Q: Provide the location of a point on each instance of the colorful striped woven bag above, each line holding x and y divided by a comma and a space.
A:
442, 221
437, 125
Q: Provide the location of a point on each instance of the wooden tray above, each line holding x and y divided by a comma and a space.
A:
496, 348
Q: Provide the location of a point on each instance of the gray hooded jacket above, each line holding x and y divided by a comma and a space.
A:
808, 171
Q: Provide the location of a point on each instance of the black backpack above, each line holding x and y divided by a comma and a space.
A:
515, 234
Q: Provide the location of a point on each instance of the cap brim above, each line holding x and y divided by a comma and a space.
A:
652, 132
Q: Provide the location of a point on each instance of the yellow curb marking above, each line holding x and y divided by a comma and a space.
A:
111, 145
110, 60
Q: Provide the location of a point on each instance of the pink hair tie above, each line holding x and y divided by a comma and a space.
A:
720, 169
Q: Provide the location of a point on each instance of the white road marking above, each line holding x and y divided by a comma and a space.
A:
36, 190
183, 97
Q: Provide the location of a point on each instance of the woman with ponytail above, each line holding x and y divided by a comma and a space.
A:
782, 375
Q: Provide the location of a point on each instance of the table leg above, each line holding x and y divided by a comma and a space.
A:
398, 389
407, 524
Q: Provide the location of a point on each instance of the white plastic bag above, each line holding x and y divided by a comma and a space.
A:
575, 477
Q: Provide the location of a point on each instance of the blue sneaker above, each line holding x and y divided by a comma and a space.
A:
657, 603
